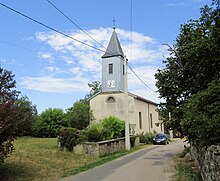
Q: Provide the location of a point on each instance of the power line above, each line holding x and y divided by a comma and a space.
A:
48, 27
19, 46
53, 29
75, 24
140, 79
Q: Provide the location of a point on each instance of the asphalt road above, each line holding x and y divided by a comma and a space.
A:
150, 164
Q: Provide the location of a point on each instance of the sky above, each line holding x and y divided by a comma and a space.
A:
53, 70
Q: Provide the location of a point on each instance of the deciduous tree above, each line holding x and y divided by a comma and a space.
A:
8, 121
193, 64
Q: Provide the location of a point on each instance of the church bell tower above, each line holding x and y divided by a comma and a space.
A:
113, 66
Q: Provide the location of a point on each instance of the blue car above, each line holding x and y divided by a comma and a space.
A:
160, 139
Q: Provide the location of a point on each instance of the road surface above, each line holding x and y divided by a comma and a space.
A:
154, 163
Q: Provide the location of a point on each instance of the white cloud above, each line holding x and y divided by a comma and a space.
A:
52, 84
84, 63
47, 56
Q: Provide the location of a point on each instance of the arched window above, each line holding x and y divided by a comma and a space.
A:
110, 99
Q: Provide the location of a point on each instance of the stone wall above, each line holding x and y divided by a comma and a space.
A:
208, 161
102, 148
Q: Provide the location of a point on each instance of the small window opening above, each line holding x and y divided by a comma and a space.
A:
110, 99
110, 68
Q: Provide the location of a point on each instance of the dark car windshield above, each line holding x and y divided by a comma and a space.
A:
160, 136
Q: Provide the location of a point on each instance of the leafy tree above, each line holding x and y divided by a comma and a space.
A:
79, 115
26, 114
193, 64
49, 123
95, 88
202, 116
8, 121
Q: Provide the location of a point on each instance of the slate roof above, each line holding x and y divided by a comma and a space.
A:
114, 47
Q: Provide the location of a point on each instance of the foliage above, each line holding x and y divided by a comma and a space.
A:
8, 121
202, 116
106, 129
95, 87
113, 128
26, 114
49, 123
192, 65
69, 137
94, 133
79, 115
147, 138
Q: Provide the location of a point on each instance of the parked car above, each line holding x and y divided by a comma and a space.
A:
160, 139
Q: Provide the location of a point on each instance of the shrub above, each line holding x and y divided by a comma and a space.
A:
113, 128
94, 133
147, 138
49, 123
69, 137
106, 129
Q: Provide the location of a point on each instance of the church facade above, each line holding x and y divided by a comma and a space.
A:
142, 113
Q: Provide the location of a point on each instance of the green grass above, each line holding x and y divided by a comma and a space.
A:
39, 159
186, 168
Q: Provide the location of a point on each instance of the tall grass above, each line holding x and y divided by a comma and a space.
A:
39, 159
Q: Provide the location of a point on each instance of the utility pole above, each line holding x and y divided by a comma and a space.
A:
127, 134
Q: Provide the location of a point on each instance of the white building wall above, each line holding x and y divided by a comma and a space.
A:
101, 109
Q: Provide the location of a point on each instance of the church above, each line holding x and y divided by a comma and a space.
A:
142, 113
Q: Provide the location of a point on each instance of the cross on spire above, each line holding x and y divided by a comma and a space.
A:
113, 22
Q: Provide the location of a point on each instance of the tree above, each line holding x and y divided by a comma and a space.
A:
95, 87
49, 123
202, 116
8, 122
79, 115
193, 64
26, 114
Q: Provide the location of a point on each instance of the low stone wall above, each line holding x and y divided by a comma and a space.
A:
208, 161
101, 148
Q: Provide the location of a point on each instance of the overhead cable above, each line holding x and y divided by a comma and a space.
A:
48, 27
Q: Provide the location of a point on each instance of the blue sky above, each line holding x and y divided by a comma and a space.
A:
53, 70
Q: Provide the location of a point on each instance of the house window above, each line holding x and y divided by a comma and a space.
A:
110, 66
110, 99
151, 121
123, 69
140, 120
161, 126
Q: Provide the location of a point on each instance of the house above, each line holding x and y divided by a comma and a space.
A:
142, 113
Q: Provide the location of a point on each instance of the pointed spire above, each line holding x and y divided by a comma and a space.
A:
114, 48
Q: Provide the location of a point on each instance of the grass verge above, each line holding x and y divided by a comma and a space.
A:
186, 168
39, 159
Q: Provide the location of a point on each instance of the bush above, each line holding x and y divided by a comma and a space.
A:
49, 123
94, 133
147, 138
113, 128
69, 137
107, 129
